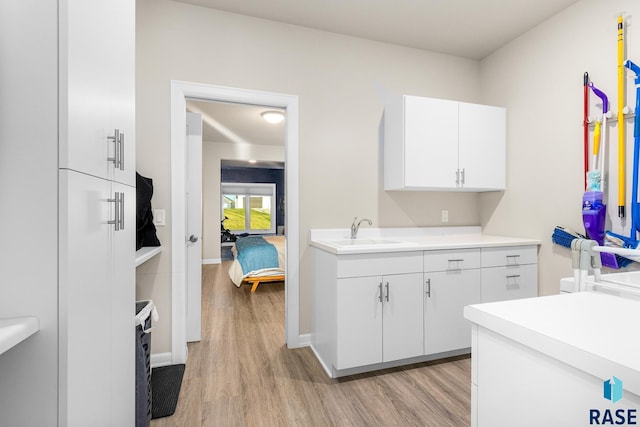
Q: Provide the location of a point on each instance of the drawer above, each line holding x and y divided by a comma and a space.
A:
509, 255
508, 282
451, 259
379, 264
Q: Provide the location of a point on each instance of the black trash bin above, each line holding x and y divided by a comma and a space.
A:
144, 310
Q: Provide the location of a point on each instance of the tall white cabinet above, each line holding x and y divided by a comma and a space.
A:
68, 252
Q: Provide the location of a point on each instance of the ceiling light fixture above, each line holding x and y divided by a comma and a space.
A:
273, 116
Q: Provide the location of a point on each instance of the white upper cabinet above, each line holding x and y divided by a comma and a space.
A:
436, 144
97, 88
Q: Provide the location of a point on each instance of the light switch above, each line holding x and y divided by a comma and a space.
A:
158, 217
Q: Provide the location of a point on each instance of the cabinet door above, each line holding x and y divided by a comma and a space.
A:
97, 86
430, 142
482, 142
359, 311
509, 282
403, 313
84, 299
122, 88
447, 292
122, 307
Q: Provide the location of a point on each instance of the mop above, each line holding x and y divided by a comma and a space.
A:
594, 209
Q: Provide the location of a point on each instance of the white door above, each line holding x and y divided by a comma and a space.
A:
402, 332
193, 237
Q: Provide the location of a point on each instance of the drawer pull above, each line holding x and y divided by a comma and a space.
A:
429, 288
512, 259
380, 295
457, 266
513, 276
387, 291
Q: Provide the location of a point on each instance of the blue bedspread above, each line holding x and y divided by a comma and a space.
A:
255, 253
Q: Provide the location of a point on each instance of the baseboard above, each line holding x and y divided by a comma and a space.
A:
161, 359
211, 261
304, 340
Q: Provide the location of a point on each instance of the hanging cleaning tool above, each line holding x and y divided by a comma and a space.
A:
595, 176
585, 125
632, 241
594, 209
621, 160
635, 205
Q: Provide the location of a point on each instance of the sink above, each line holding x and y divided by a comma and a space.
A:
363, 242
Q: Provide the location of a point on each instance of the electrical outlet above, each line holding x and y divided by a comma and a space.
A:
158, 217
445, 215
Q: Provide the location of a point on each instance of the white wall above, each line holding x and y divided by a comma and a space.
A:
336, 78
212, 154
538, 77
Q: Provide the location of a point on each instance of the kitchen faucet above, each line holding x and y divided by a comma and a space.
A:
354, 226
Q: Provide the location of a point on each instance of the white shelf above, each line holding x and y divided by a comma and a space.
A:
14, 331
144, 254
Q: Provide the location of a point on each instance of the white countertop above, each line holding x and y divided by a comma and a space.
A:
591, 331
376, 240
15, 330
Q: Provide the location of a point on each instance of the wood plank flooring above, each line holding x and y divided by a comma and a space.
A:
242, 374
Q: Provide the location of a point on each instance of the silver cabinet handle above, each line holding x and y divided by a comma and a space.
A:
121, 211
116, 148
387, 291
457, 176
116, 211
380, 295
121, 144
513, 276
429, 288
462, 176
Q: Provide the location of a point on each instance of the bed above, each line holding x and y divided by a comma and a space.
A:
257, 259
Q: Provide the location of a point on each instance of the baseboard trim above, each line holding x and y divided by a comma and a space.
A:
161, 359
304, 340
211, 261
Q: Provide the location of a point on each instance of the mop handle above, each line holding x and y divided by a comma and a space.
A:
621, 160
635, 213
585, 125
596, 145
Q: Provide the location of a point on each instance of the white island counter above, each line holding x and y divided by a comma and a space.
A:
544, 361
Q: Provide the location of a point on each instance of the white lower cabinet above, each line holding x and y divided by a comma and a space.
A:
379, 319
372, 311
452, 280
96, 295
445, 328
509, 273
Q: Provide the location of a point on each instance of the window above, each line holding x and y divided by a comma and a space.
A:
250, 208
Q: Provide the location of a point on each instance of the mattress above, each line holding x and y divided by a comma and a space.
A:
236, 273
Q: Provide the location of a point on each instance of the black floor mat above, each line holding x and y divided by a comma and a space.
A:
165, 390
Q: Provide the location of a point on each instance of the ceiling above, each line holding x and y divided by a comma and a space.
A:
467, 28
238, 123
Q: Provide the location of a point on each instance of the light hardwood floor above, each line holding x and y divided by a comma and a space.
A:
242, 374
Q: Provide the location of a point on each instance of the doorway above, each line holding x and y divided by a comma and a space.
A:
180, 92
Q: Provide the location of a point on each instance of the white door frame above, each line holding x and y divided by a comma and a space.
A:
181, 90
